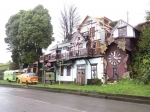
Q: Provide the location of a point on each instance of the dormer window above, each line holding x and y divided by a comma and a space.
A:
122, 31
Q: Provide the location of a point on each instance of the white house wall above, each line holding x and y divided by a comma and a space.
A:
100, 67
100, 70
65, 77
130, 30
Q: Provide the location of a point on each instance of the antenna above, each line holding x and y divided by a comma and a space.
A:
127, 17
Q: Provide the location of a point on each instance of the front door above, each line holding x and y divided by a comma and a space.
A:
80, 80
115, 73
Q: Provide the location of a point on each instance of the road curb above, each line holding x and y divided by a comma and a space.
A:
119, 97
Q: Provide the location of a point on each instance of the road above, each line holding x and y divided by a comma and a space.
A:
26, 100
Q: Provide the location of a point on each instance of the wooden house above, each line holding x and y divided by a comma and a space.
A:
120, 44
96, 50
80, 59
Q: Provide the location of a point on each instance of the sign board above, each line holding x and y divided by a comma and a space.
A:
50, 76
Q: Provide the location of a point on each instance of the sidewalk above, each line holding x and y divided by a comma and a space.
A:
127, 98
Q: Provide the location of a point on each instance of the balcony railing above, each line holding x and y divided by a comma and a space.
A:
71, 54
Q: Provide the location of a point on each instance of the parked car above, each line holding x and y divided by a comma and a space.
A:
28, 78
10, 75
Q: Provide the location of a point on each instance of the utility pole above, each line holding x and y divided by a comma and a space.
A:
127, 17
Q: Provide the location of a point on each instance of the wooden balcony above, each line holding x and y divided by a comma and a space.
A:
71, 55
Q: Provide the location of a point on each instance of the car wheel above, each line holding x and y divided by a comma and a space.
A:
18, 80
8, 80
27, 82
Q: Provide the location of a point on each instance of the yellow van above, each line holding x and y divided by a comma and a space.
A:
28, 78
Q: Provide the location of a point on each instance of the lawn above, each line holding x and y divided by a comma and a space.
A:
126, 87
4, 66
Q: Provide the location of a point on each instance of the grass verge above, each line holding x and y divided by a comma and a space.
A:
124, 87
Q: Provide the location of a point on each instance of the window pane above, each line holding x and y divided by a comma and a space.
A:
93, 71
94, 74
122, 31
68, 71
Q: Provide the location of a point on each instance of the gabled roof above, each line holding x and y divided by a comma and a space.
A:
124, 22
76, 33
83, 22
97, 19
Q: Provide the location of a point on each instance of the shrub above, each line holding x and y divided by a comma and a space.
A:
95, 81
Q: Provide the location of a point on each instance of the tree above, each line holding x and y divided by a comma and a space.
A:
113, 23
141, 58
28, 32
69, 20
147, 17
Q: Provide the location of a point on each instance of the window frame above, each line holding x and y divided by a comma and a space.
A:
94, 64
122, 31
68, 69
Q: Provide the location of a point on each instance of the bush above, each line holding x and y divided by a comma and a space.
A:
95, 81
146, 78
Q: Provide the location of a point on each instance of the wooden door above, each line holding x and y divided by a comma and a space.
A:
78, 77
115, 73
80, 80
82, 77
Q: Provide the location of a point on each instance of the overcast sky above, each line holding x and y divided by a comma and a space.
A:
113, 9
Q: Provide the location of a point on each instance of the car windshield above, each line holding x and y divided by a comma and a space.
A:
32, 74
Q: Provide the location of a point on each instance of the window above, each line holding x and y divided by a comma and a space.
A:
68, 70
122, 31
94, 71
64, 48
85, 35
81, 67
32, 74
81, 45
92, 30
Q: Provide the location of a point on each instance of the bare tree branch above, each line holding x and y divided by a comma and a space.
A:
69, 20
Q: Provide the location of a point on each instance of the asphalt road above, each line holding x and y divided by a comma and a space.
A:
26, 100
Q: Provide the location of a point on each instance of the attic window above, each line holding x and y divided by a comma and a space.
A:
122, 31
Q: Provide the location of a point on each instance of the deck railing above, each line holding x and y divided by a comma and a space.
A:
71, 54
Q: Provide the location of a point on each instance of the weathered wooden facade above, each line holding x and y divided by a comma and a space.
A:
120, 45
94, 51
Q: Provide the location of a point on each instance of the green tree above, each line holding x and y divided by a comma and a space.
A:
141, 58
113, 23
28, 32
147, 17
